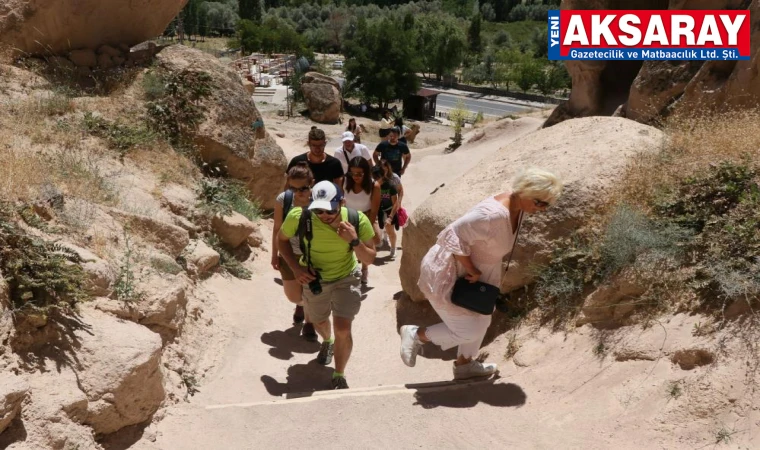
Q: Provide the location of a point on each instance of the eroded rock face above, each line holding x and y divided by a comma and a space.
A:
587, 154
233, 229
13, 390
233, 134
646, 92
323, 97
58, 26
119, 372
167, 237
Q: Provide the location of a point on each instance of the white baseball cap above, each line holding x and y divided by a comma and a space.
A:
348, 136
325, 195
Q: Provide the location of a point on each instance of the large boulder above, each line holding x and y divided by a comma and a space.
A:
119, 371
650, 90
587, 154
233, 134
323, 99
13, 390
233, 229
57, 26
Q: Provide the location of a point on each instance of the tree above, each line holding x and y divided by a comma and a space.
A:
473, 35
222, 18
190, 17
528, 73
389, 77
250, 10
486, 10
441, 43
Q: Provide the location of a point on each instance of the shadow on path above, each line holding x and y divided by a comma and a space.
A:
285, 343
302, 379
469, 395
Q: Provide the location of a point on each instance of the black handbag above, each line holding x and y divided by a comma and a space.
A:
480, 297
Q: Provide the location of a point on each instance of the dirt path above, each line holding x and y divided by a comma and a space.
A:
269, 392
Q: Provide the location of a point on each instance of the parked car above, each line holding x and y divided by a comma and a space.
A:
338, 64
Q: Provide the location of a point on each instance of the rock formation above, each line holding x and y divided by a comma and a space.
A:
57, 27
227, 136
323, 97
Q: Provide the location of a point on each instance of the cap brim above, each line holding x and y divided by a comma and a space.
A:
323, 204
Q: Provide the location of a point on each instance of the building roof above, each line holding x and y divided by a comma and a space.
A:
424, 92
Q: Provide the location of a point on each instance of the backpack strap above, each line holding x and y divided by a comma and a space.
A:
305, 233
287, 203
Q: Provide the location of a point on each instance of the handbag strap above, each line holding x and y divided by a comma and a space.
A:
517, 234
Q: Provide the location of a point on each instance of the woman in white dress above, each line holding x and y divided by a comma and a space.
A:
473, 247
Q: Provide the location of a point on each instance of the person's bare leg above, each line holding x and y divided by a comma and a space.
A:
391, 234
323, 329
344, 343
294, 291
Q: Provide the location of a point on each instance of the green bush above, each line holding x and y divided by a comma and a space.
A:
122, 138
223, 196
40, 275
177, 110
227, 260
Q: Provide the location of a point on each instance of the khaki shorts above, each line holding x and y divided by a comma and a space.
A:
342, 298
285, 271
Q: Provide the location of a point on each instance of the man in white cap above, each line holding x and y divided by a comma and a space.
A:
350, 150
329, 269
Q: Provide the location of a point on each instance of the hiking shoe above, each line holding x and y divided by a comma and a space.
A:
386, 241
474, 369
308, 333
298, 315
325, 353
339, 383
365, 275
392, 255
410, 344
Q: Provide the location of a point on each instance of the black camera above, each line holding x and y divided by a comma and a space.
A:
315, 286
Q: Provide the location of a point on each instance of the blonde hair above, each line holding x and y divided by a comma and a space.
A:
538, 184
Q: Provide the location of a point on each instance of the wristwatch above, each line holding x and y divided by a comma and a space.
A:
354, 243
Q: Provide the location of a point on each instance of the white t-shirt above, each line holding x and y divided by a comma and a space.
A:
359, 150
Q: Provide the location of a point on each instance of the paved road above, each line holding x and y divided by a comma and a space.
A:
488, 107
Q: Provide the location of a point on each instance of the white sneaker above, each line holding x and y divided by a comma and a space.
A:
392, 255
410, 344
474, 369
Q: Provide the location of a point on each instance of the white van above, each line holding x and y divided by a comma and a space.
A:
338, 64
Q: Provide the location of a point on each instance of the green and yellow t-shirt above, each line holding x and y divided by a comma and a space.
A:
330, 254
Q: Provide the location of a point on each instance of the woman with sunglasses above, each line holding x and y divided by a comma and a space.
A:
473, 247
297, 194
362, 194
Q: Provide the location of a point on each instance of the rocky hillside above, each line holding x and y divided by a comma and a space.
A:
646, 91
119, 195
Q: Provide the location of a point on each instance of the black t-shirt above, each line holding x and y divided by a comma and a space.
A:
387, 190
393, 154
328, 170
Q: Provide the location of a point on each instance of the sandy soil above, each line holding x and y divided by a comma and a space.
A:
558, 391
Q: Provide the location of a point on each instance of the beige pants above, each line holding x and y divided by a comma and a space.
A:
342, 298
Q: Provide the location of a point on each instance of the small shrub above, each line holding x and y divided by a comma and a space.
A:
163, 265
674, 389
227, 261
153, 86
223, 196
122, 138
178, 110
125, 286
41, 275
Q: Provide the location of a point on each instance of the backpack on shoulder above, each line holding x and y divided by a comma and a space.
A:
306, 232
287, 204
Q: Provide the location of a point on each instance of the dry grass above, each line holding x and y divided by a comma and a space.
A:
168, 165
694, 145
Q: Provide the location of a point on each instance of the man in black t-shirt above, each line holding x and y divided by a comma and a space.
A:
396, 152
323, 166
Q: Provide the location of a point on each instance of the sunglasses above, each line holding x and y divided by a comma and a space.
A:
540, 204
301, 189
331, 212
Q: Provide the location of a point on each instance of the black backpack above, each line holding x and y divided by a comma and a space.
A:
305, 229
287, 203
